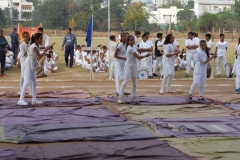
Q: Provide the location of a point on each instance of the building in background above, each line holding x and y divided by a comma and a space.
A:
19, 5
212, 6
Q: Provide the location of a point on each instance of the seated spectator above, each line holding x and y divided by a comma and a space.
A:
106, 55
8, 64
49, 65
94, 61
183, 64
53, 54
177, 63
9, 54
101, 63
78, 54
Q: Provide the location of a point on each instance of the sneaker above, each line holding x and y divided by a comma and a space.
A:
70, 66
36, 101
211, 77
201, 99
190, 99
120, 101
111, 78
187, 75
237, 91
66, 65
117, 93
4, 75
169, 91
161, 92
19, 93
22, 103
155, 75
126, 93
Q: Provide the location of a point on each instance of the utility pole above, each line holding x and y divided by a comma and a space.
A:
11, 11
212, 30
109, 24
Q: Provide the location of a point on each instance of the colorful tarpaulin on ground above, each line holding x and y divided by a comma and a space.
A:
31, 31
195, 127
174, 111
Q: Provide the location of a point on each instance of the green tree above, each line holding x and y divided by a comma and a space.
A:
205, 21
72, 23
190, 5
15, 13
175, 3
187, 19
27, 15
134, 17
3, 19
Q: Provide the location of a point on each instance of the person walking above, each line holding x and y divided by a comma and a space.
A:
14, 43
3, 44
69, 41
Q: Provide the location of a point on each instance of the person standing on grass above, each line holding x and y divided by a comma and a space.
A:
3, 44
14, 43
221, 49
69, 41
158, 54
111, 60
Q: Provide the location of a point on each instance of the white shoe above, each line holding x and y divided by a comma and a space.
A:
169, 91
19, 93
111, 78
161, 92
211, 77
22, 103
36, 101
120, 101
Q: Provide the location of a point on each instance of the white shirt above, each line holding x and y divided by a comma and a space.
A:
9, 53
23, 48
84, 54
78, 54
197, 40
190, 42
222, 46
210, 45
149, 42
160, 42
135, 41
175, 44
49, 64
122, 49
144, 45
54, 56
112, 48
93, 56
106, 57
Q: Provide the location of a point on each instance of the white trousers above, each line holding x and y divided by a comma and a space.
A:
237, 80
219, 60
111, 68
22, 79
124, 85
8, 65
169, 82
47, 70
101, 66
194, 85
150, 65
191, 56
11, 59
79, 62
158, 62
29, 78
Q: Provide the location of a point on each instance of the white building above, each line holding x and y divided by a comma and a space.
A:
212, 6
20, 5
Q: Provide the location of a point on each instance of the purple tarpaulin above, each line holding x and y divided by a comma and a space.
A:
9, 103
141, 150
195, 127
107, 131
57, 115
233, 106
161, 100
7, 154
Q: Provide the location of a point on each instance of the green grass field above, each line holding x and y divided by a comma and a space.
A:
76, 72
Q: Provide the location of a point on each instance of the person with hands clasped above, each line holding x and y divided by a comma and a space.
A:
200, 74
170, 51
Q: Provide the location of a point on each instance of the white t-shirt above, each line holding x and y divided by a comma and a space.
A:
122, 49
190, 42
54, 56
149, 42
197, 40
161, 42
135, 41
210, 45
78, 54
49, 64
112, 48
93, 56
222, 46
9, 53
106, 56
175, 44
144, 45
84, 54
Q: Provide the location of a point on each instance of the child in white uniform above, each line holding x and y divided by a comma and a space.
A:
29, 69
10, 55
170, 51
78, 54
111, 60
8, 64
120, 60
209, 46
101, 63
23, 47
94, 61
200, 74
144, 45
236, 68
150, 58
131, 71
53, 54
221, 49
49, 65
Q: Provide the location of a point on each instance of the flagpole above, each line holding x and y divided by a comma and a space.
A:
91, 68
109, 26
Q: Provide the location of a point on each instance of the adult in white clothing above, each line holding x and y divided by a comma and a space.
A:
191, 46
221, 49
158, 54
144, 61
131, 70
200, 74
29, 69
236, 68
111, 59
170, 51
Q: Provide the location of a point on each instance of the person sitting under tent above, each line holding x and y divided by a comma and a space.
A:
50, 65
10, 54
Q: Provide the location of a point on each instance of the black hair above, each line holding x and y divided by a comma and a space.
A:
167, 39
208, 35
221, 34
15, 29
99, 45
49, 56
78, 47
147, 33
25, 33
104, 47
130, 36
82, 45
127, 33
196, 34
159, 35
190, 33
137, 32
123, 31
70, 29
207, 51
50, 51
37, 35
40, 29
122, 35
144, 35
112, 37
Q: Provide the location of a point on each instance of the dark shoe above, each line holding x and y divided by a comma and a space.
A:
155, 75
117, 93
201, 99
190, 99
66, 65
44, 75
126, 93
187, 75
70, 66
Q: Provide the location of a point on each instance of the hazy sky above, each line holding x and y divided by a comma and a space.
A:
141, 0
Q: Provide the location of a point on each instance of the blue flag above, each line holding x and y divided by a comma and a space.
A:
89, 33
